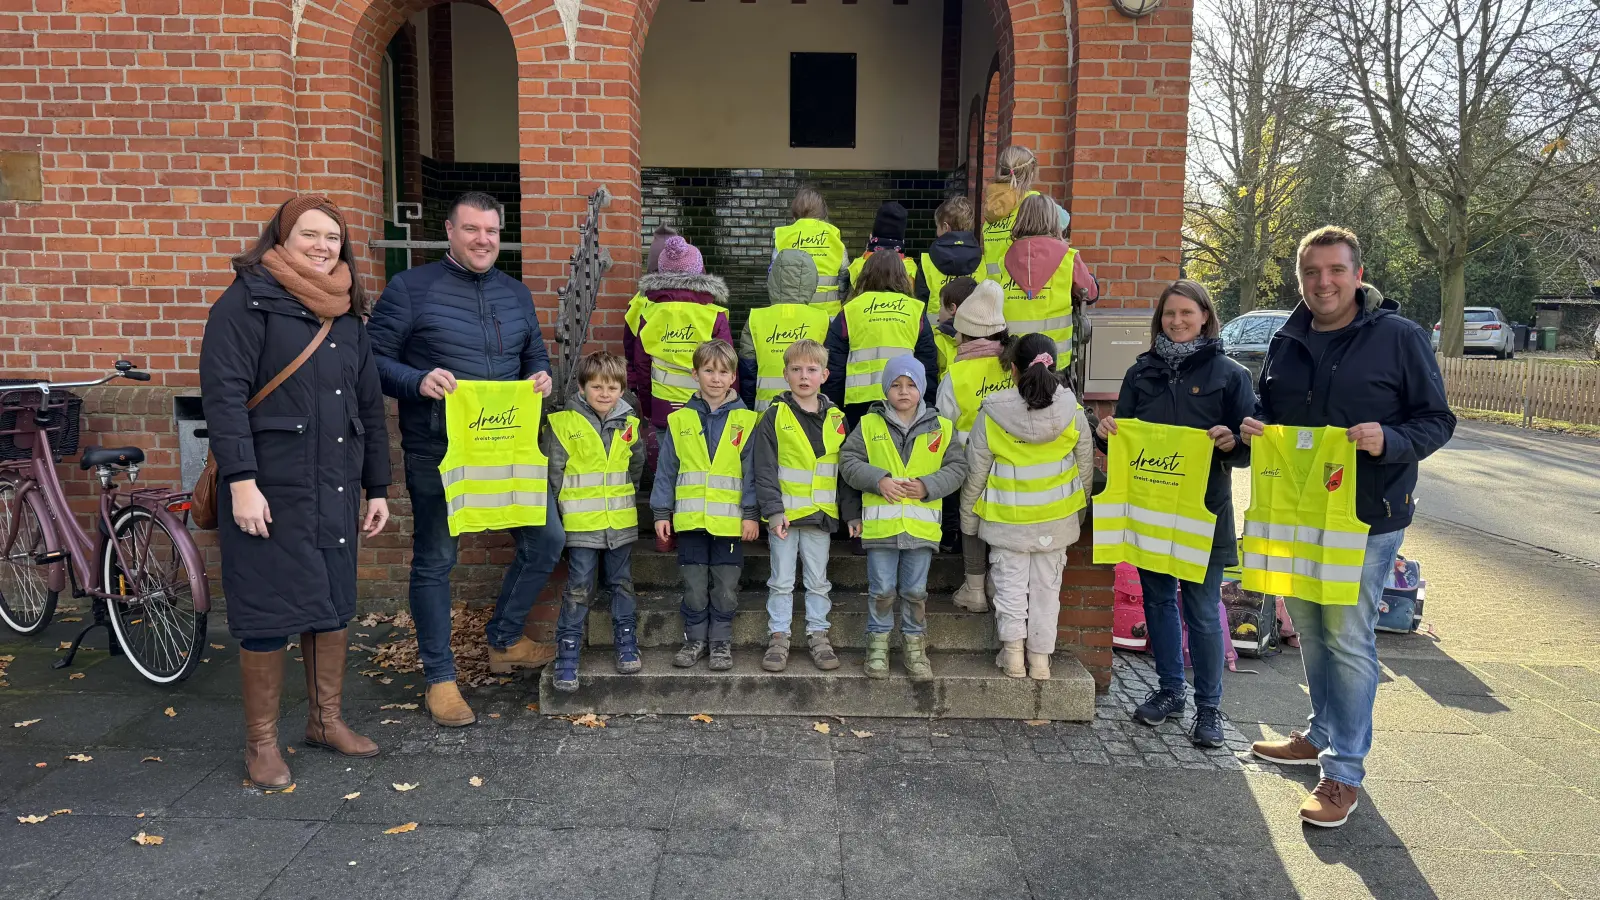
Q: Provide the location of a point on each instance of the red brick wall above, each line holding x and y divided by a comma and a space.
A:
167, 129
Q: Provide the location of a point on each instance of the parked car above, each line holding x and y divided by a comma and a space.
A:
1487, 331
1245, 339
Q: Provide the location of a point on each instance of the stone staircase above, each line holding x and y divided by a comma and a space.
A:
962, 646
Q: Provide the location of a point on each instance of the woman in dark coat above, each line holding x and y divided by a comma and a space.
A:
1184, 379
293, 468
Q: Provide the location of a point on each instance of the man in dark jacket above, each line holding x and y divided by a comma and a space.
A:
461, 318
1344, 361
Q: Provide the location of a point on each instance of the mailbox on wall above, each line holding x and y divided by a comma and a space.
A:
1115, 341
193, 441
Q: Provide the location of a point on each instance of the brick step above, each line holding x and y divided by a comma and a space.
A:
965, 685
660, 624
653, 570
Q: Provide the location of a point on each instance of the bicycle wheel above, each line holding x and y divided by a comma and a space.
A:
26, 601
157, 624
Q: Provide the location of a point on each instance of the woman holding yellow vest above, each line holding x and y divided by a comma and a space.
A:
1029, 457
881, 321
1181, 386
901, 460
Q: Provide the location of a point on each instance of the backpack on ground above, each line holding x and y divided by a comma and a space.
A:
1253, 624
1400, 607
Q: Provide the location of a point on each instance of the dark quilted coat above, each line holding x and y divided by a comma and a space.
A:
479, 327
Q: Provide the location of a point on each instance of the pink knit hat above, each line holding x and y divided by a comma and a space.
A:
680, 257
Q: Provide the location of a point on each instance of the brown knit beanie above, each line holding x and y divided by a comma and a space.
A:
297, 206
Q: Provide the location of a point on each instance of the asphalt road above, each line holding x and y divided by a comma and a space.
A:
1528, 486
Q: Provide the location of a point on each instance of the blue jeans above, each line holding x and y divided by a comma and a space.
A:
903, 572
1199, 602
433, 555
1340, 649
807, 544
583, 568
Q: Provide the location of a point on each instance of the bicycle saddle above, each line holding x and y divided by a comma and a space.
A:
110, 456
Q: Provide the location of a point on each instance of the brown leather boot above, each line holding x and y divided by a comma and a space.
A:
324, 657
525, 653
263, 685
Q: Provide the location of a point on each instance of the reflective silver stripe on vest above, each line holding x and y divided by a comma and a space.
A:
822, 497
902, 510
723, 510
993, 268
621, 503
1152, 545
671, 376
496, 501
827, 470
1038, 470
615, 478
827, 281
1024, 326
1305, 534
593, 504
862, 380
1305, 567
1151, 517
802, 476
1031, 498
491, 473
873, 353
690, 478
767, 383
585, 480
725, 483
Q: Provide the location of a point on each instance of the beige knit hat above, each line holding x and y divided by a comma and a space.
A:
983, 312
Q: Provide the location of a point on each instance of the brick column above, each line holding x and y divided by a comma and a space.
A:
950, 86
441, 71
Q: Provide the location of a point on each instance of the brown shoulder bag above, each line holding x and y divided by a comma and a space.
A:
204, 508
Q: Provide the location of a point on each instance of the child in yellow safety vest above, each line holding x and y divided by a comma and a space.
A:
888, 237
956, 251
795, 467
881, 321
705, 500
812, 234
1030, 457
1044, 277
903, 459
975, 373
796, 314
596, 451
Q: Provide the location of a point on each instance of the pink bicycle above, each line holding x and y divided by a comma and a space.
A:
146, 577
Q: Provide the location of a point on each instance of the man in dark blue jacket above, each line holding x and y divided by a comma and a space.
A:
1346, 358
461, 318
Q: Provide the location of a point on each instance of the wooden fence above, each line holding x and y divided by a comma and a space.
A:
1532, 388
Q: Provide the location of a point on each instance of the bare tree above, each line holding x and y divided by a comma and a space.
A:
1249, 68
1469, 107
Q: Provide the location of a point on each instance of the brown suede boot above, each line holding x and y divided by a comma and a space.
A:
324, 656
447, 706
525, 654
263, 685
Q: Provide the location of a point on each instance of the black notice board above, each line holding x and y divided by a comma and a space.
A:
822, 100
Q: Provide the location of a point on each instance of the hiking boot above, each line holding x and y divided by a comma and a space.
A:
821, 651
626, 641
721, 656
1206, 730
447, 707
1010, 659
566, 672
689, 654
970, 596
916, 657
524, 654
1330, 805
877, 664
777, 656
1296, 751
1039, 666
1157, 707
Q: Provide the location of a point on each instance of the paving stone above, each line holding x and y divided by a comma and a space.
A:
321, 780
1565, 821
75, 720
442, 795
916, 798
564, 864
749, 793
736, 864
199, 858
1412, 815
570, 790
1458, 758
887, 865
1077, 800
116, 783
1403, 711
1578, 874
1576, 763
43, 859
425, 864
1107, 869
1526, 718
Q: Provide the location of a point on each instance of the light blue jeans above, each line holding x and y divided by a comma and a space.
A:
1206, 634
807, 545
1340, 649
903, 573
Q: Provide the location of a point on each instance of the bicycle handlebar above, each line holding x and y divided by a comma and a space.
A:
125, 369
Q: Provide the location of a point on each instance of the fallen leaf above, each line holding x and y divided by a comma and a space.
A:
352, 795
401, 829
170, 713
398, 706
590, 720
75, 676
940, 734
25, 723
390, 722
31, 820
290, 749
287, 790
151, 759
139, 816
1036, 722
821, 728
475, 781
494, 715
860, 734
351, 863
701, 717
533, 707
148, 840
404, 787
80, 757
70, 619
205, 659
40, 765
61, 812
386, 681
64, 645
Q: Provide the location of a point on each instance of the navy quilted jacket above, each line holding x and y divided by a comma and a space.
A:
479, 327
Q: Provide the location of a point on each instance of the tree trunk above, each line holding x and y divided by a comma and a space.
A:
1247, 295
1452, 300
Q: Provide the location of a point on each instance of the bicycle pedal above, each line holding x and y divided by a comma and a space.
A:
54, 556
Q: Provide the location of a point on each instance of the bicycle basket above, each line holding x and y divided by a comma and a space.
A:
65, 410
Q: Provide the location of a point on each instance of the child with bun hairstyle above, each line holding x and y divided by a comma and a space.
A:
1016, 169
1030, 458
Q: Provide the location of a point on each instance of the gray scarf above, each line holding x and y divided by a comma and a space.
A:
1175, 353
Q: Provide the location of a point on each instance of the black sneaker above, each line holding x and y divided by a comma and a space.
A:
1206, 730
690, 654
1156, 707
721, 656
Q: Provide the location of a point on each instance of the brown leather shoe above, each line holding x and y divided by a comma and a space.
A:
447, 706
1330, 805
324, 657
524, 654
263, 686
1296, 751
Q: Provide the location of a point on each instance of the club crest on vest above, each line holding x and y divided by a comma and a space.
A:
627, 434
1332, 476
934, 440
738, 435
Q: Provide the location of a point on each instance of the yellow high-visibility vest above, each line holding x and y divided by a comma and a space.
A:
821, 240
709, 487
808, 482
596, 493
1049, 312
881, 518
1153, 513
1030, 484
636, 310
670, 336
1301, 534
972, 380
996, 241
772, 330
946, 345
860, 262
882, 325
936, 281
494, 474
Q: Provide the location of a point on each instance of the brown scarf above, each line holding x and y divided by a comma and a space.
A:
326, 295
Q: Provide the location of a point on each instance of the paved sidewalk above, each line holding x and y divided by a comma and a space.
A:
1485, 782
